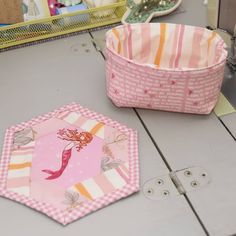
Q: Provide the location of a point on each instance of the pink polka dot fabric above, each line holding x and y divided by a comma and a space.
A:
167, 67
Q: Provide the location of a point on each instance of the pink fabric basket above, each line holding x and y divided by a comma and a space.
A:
164, 66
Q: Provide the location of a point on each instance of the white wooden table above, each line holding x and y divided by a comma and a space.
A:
37, 79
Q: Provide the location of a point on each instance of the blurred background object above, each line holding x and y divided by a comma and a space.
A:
222, 19
11, 11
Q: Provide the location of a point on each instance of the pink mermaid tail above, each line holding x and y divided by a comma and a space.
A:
66, 155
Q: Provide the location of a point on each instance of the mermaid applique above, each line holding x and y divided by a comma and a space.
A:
76, 140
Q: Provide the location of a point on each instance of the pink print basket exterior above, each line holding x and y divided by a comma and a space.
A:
164, 66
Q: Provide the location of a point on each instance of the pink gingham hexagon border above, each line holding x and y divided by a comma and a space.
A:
66, 217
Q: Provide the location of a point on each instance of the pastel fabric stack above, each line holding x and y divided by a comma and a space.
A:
165, 66
69, 163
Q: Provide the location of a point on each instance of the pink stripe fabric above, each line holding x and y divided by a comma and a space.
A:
125, 44
104, 183
16, 153
146, 46
174, 47
26, 148
180, 45
219, 45
122, 174
18, 182
81, 120
63, 115
123, 167
196, 48
130, 46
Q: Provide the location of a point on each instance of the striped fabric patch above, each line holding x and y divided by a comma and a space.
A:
72, 117
161, 44
209, 42
117, 35
18, 179
104, 183
94, 127
164, 45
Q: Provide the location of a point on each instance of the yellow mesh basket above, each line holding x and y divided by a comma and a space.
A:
61, 24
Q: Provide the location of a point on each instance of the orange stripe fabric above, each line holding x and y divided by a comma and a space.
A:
83, 191
96, 128
161, 44
116, 33
210, 40
19, 166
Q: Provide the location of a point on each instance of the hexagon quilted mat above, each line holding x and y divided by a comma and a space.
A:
69, 163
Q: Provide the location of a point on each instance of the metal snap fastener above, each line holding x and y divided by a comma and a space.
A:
187, 173
194, 184
159, 181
